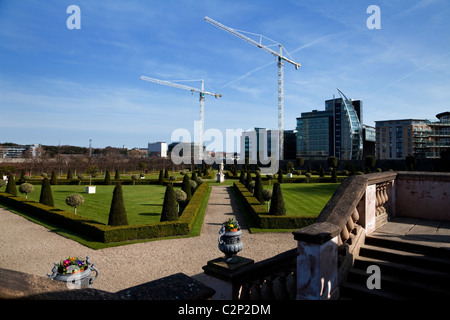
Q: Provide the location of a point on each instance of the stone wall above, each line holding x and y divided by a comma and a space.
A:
423, 195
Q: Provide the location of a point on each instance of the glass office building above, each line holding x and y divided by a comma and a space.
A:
336, 131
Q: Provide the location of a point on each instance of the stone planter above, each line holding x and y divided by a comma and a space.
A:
76, 280
90, 189
289, 175
230, 243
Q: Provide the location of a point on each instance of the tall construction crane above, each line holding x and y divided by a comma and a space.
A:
202, 93
280, 58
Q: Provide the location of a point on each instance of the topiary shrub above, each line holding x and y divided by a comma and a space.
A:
107, 178
170, 208
46, 196
117, 211
277, 206
75, 200
258, 191
53, 179
248, 180
161, 177
11, 187
26, 188
186, 187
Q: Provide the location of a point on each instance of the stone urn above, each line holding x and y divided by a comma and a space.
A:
78, 279
230, 244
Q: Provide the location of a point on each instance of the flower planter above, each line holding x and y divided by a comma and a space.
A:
77, 279
230, 244
90, 189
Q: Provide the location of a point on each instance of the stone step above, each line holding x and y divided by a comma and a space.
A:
405, 257
408, 270
394, 286
407, 244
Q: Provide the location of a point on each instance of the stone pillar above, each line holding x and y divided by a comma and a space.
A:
219, 275
367, 209
317, 262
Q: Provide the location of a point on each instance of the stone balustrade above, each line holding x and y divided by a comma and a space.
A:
358, 207
327, 248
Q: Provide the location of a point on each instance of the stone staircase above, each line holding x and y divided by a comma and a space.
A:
408, 269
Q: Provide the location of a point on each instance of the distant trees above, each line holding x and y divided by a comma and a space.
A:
92, 171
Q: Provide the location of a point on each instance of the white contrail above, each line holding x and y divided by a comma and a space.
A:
310, 44
413, 72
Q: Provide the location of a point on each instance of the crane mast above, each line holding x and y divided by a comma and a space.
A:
202, 94
281, 58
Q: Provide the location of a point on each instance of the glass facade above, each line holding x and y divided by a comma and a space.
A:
313, 136
337, 131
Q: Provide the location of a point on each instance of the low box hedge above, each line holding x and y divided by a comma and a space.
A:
107, 234
262, 218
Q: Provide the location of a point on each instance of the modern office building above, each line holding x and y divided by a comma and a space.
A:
251, 140
396, 139
336, 131
158, 149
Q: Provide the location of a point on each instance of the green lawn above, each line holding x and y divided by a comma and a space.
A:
142, 202
306, 199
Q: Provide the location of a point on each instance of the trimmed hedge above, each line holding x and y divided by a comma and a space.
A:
103, 233
262, 218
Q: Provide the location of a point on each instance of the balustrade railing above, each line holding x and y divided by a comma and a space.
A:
327, 248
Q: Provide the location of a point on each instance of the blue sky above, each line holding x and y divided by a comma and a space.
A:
62, 86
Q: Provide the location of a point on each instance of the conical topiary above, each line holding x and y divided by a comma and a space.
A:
46, 196
117, 175
170, 208
248, 179
53, 179
258, 190
277, 206
69, 175
107, 178
117, 212
280, 176
161, 177
11, 187
242, 177
186, 187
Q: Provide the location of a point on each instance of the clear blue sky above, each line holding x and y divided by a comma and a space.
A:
62, 86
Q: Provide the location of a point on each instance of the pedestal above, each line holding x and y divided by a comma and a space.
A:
219, 276
317, 276
220, 177
90, 189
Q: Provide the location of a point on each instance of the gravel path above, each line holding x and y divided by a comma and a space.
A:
30, 248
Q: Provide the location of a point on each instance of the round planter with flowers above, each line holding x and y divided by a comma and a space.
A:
230, 242
75, 272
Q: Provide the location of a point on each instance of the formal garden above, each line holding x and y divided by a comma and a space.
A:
137, 206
